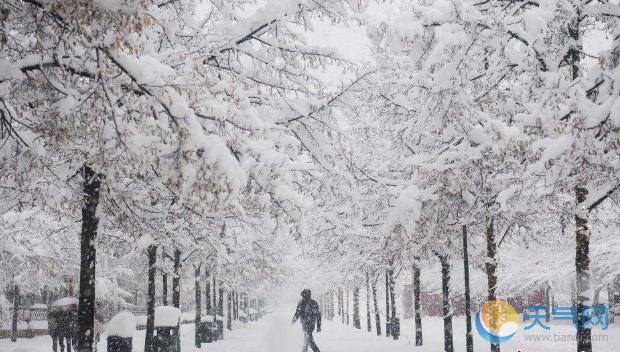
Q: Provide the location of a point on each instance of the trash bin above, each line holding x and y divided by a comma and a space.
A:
166, 339
121, 329
167, 321
395, 328
208, 332
119, 344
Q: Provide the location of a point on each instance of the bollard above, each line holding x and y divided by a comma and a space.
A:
119, 344
395, 327
220, 329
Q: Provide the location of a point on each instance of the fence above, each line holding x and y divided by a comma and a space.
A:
36, 314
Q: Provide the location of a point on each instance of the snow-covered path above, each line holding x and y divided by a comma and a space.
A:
274, 333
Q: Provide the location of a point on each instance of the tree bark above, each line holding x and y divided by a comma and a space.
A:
164, 280
220, 302
549, 301
208, 294
491, 268
376, 304
341, 304
368, 319
176, 289
232, 305
15, 313
214, 298
149, 338
356, 308
387, 304
229, 311
447, 307
236, 305
331, 303
346, 295
90, 221
198, 292
416, 301
469, 338
392, 301
246, 306
582, 269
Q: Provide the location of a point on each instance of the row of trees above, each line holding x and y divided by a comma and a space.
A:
490, 118
181, 125
210, 129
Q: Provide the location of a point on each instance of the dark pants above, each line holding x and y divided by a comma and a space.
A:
309, 341
70, 342
57, 340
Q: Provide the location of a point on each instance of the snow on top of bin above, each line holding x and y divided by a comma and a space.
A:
210, 317
67, 301
167, 316
38, 306
122, 324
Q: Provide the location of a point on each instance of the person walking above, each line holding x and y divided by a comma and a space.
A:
54, 330
309, 313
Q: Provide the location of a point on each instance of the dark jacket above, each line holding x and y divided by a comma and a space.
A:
52, 324
309, 313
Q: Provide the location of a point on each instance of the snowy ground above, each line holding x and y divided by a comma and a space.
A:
275, 334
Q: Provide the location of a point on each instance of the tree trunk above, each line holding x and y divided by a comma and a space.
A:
346, 303
582, 269
491, 268
447, 307
233, 311
469, 339
387, 304
164, 280
392, 301
15, 313
331, 304
86, 307
229, 311
341, 304
198, 290
176, 289
611, 301
549, 302
376, 304
356, 308
368, 319
416, 301
214, 298
220, 302
236, 305
208, 294
149, 338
